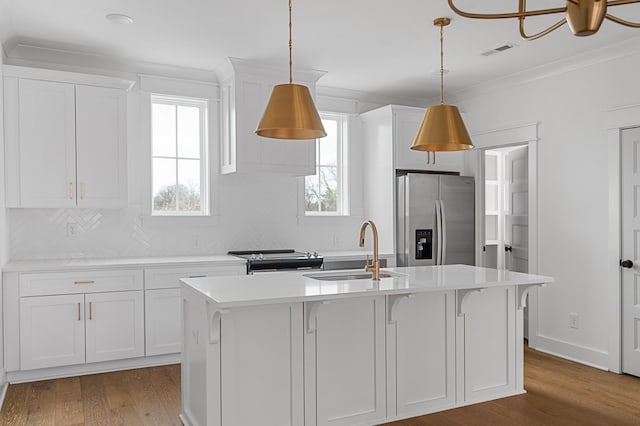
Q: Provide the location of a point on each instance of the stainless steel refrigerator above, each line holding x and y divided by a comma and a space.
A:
435, 219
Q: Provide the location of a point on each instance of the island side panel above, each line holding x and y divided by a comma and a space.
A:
345, 362
420, 353
261, 360
486, 344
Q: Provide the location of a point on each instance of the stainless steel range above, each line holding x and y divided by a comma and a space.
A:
279, 260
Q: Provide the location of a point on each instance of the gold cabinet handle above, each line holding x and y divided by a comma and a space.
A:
71, 190
84, 282
79, 319
81, 190
90, 311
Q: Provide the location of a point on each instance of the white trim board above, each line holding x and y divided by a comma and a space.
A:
525, 134
572, 352
3, 393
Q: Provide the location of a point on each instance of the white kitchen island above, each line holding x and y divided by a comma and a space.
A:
287, 348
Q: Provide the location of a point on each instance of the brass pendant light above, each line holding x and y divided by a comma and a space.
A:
442, 128
583, 16
290, 112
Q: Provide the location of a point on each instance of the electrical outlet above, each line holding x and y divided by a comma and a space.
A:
574, 321
73, 229
195, 242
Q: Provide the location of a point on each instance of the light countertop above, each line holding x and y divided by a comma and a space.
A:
281, 287
131, 262
39, 265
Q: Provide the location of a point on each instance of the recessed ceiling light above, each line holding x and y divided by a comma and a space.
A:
119, 18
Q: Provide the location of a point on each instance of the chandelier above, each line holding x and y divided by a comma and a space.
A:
583, 16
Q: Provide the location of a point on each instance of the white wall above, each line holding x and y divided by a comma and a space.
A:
570, 108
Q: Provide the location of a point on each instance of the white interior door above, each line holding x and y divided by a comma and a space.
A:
630, 166
517, 211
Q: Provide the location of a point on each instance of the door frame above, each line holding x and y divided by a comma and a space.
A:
618, 119
526, 134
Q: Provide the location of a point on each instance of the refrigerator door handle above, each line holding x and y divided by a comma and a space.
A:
443, 242
438, 234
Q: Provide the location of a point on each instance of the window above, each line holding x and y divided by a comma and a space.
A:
179, 156
326, 193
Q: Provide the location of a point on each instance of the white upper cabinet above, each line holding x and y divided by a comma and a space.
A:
393, 128
65, 142
101, 147
245, 89
47, 155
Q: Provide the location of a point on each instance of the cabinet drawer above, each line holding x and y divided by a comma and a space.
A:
170, 277
80, 282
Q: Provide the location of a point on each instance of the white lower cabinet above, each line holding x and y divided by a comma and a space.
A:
344, 362
420, 347
262, 386
114, 325
486, 345
162, 321
51, 331
58, 330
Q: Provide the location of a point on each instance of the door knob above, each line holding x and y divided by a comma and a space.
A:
626, 263
507, 248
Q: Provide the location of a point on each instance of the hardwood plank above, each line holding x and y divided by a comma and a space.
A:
68, 401
94, 400
121, 403
41, 403
146, 401
168, 393
13, 408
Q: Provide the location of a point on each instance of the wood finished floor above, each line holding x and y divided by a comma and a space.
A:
559, 392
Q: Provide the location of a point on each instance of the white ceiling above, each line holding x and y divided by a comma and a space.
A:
384, 47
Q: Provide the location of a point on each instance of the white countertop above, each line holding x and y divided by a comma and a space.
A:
279, 287
40, 265
131, 262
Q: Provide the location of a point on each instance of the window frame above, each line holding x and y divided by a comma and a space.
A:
203, 109
342, 166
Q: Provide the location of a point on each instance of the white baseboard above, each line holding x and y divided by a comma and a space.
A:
3, 392
577, 353
94, 368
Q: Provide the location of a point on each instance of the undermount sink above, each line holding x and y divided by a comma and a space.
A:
349, 275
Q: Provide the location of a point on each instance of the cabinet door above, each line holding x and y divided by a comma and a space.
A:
47, 144
114, 325
101, 146
345, 362
261, 361
420, 353
486, 345
162, 319
51, 331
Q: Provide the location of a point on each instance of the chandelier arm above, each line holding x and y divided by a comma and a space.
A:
622, 21
541, 33
509, 15
620, 2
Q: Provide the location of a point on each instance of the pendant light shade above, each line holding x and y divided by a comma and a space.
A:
442, 128
290, 112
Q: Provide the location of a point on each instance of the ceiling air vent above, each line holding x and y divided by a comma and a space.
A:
498, 49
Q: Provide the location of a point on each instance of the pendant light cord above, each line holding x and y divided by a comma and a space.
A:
441, 65
290, 47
